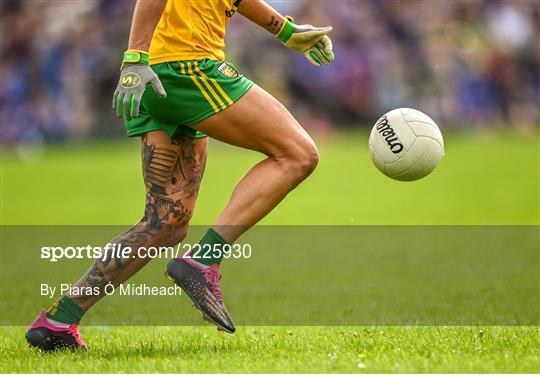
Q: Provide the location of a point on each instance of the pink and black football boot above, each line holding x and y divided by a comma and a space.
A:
47, 337
201, 284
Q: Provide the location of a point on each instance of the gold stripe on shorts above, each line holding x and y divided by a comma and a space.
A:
203, 91
204, 79
215, 83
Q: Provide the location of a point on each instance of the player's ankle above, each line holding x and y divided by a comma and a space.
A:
212, 244
65, 311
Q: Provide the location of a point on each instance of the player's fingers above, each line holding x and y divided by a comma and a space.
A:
310, 35
318, 32
127, 104
328, 56
313, 58
115, 97
160, 91
323, 57
331, 56
326, 44
135, 103
119, 106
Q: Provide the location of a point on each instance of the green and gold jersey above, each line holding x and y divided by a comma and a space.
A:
192, 30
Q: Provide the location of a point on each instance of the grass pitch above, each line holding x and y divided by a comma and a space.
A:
286, 349
484, 179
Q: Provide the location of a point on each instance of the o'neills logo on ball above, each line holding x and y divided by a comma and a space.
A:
389, 135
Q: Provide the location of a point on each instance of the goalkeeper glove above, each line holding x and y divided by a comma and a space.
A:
134, 76
312, 41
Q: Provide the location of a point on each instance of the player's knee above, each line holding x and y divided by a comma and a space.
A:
304, 159
309, 161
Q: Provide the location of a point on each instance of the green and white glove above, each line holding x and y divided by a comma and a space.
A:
312, 41
134, 76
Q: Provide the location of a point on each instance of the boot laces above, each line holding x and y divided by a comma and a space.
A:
74, 331
213, 277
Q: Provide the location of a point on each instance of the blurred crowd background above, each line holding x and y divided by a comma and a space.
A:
466, 63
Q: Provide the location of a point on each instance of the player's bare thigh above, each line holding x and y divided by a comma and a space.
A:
259, 122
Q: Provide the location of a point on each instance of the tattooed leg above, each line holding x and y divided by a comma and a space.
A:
172, 171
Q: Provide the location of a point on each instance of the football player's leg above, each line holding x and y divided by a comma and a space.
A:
259, 122
172, 170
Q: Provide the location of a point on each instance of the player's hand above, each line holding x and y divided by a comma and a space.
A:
134, 76
312, 41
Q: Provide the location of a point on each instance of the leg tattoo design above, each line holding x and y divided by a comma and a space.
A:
172, 174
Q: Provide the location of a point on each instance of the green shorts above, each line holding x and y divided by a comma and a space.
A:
196, 90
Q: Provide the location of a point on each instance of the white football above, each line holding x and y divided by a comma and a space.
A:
406, 144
